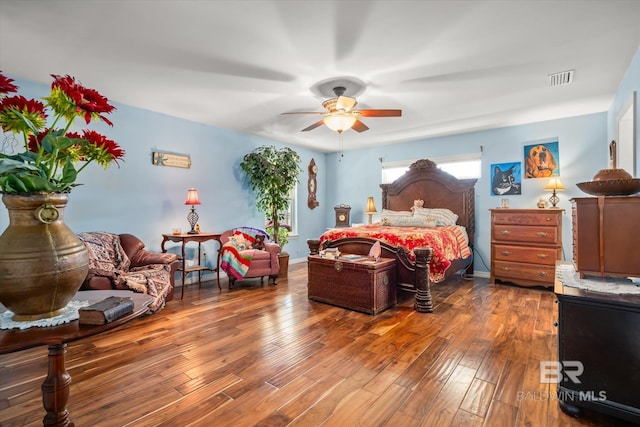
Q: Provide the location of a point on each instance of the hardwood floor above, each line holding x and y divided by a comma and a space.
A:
266, 356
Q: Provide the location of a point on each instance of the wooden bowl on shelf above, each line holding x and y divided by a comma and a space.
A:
611, 187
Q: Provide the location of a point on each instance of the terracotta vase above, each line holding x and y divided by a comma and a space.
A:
42, 262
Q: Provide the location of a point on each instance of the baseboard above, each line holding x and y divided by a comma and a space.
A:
483, 274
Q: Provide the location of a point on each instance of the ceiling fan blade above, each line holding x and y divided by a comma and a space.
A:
358, 126
313, 126
380, 113
345, 103
304, 112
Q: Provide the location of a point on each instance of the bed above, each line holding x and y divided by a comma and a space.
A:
417, 267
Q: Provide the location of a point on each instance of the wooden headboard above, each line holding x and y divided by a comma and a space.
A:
437, 188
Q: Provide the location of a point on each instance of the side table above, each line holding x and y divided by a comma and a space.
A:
185, 238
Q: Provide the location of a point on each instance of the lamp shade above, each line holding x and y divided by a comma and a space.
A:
371, 207
554, 184
339, 122
192, 197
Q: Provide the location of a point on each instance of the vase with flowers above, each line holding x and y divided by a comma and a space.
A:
42, 262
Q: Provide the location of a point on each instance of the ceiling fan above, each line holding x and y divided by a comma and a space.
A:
341, 116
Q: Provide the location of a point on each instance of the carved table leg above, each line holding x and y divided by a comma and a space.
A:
55, 389
423, 302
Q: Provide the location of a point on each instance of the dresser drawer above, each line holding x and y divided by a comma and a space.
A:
544, 256
525, 234
550, 218
505, 270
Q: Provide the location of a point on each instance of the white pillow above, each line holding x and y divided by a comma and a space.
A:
387, 213
442, 216
409, 221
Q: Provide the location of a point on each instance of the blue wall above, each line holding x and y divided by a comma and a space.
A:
629, 84
583, 148
148, 200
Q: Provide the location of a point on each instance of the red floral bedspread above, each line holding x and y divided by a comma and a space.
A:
448, 243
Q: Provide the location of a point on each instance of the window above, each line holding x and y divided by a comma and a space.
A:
289, 216
461, 166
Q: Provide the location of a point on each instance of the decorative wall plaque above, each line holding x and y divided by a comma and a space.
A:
164, 158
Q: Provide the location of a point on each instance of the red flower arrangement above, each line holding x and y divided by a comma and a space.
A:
50, 156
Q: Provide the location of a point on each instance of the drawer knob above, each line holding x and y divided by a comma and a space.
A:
338, 266
548, 219
506, 253
506, 232
543, 256
542, 273
543, 234
506, 269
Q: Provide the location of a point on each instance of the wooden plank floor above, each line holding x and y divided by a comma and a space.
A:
266, 356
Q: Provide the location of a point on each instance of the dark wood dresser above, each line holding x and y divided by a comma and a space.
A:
605, 241
369, 287
598, 343
525, 245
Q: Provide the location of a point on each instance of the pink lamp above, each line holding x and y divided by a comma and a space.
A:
192, 217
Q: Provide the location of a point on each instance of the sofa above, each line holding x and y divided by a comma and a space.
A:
261, 253
140, 260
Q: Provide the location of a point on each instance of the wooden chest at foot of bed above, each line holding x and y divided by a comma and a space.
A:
364, 286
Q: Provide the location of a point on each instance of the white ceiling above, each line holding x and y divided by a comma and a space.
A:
451, 66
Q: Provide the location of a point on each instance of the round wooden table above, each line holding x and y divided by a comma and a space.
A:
55, 388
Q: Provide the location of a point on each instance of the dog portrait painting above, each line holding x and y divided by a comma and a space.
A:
541, 160
506, 179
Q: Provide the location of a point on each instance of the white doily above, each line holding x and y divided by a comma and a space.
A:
70, 314
608, 285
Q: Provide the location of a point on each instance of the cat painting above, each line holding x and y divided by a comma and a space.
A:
505, 179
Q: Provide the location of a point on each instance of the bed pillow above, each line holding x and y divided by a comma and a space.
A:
388, 213
409, 221
442, 216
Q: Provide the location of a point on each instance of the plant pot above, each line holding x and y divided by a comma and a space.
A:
283, 260
42, 262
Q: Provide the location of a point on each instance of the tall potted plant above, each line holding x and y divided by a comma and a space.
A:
272, 174
42, 262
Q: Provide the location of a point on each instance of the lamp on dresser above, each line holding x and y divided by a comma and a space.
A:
192, 217
554, 185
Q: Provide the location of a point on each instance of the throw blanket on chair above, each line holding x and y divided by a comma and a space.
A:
107, 258
237, 254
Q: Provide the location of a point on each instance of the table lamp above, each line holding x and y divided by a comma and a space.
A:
192, 217
554, 185
371, 208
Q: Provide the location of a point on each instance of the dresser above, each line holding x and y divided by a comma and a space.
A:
599, 349
605, 240
525, 245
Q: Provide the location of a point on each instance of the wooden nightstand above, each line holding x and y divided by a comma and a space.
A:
525, 245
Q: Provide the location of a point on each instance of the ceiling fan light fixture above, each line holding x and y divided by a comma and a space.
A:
339, 122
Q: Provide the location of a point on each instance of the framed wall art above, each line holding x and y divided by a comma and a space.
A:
541, 160
506, 179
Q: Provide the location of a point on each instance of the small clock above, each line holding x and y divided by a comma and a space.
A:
342, 215
312, 185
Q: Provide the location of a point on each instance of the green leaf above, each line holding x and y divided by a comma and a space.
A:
69, 173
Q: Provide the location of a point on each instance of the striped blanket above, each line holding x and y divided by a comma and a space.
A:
237, 253
235, 262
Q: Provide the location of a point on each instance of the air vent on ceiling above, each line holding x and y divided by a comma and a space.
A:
563, 78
